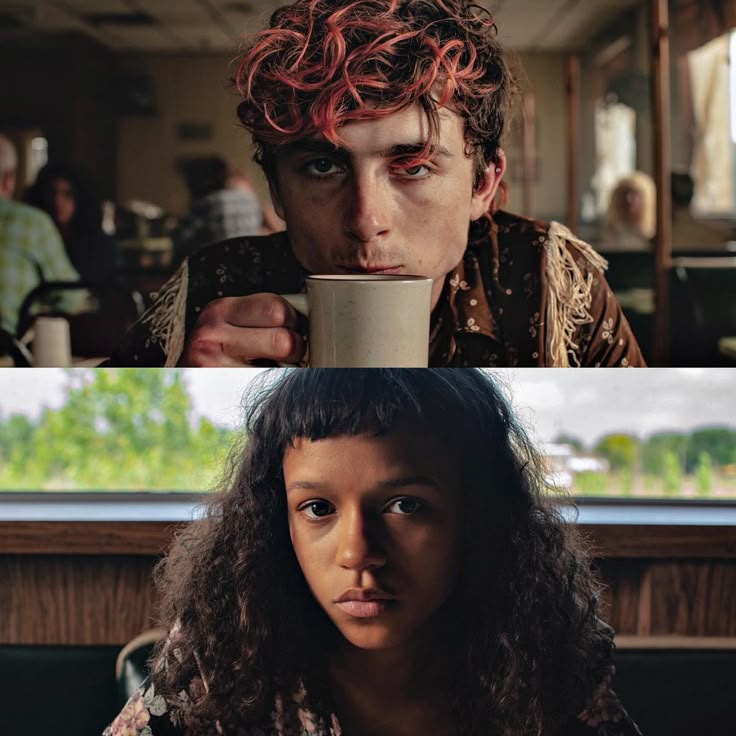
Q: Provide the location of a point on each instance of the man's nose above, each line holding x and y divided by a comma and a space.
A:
368, 211
359, 545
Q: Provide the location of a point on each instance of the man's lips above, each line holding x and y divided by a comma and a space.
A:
382, 268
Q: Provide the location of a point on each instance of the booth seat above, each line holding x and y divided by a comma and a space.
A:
72, 691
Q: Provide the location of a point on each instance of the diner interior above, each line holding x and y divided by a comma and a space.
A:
623, 129
99, 470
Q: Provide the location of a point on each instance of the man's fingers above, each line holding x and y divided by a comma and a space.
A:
258, 310
224, 344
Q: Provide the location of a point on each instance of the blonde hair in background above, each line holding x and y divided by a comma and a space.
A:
622, 217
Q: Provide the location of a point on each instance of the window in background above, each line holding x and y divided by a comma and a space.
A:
623, 434
38, 157
713, 93
615, 152
616, 130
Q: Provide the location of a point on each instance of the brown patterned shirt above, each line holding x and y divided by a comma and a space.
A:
525, 294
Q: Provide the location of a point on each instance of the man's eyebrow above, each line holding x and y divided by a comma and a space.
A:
314, 145
318, 145
411, 149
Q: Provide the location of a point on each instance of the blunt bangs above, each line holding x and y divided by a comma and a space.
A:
320, 403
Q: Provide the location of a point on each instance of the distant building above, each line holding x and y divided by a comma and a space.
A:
563, 462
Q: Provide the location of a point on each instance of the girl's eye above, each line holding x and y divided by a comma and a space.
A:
321, 167
405, 505
316, 509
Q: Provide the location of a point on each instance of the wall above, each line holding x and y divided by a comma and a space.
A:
542, 75
192, 89
64, 86
90, 583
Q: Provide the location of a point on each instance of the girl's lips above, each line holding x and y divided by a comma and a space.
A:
364, 609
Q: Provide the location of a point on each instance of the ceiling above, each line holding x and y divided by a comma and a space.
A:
206, 26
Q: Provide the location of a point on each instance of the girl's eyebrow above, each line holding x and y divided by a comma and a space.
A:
386, 485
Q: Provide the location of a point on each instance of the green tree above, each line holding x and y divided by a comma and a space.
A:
704, 475
654, 451
718, 442
125, 429
672, 479
621, 451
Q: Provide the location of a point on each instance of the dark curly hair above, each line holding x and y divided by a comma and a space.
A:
527, 648
87, 219
324, 63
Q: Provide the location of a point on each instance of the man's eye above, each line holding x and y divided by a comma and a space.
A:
321, 167
405, 505
316, 509
420, 171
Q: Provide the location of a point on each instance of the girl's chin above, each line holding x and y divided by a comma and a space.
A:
372, 643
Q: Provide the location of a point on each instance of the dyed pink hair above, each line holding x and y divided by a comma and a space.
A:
324, 63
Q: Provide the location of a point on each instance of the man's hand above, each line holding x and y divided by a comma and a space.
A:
237, 331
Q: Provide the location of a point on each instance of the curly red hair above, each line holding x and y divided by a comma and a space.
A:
324, 63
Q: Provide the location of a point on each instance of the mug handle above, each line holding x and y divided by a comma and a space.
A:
301, 304
298, 301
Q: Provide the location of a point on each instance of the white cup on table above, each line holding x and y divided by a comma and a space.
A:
51, 343
366, 320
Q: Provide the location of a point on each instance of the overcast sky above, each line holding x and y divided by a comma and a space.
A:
585, 403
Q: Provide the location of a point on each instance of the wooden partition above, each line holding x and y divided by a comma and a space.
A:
90, 583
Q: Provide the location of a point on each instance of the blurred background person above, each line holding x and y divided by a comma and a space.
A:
8, 167
222, 206
631, 220
271, 222
63, 191
31, 250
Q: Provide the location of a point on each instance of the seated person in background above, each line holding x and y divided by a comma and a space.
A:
272, 223
631, 220
64, 192
218, 210
31, 251
689, 233
378, 125
384, 560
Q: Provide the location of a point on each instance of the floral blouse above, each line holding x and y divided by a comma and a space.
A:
148, 714
525, 294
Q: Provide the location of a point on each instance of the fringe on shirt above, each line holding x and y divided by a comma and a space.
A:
168, 321
568, 294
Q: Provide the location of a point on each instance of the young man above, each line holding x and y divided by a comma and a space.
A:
378, 126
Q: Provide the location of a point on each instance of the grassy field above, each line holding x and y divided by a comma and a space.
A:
719, 486
190, 478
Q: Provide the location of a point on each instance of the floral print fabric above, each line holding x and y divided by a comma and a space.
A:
492, 311
146, 714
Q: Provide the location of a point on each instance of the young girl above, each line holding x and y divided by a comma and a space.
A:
384, 560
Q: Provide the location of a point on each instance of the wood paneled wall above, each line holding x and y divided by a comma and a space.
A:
95, 587
75, 599
67, 86
670, 598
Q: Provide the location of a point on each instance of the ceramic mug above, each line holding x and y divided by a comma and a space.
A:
366, 320
51, 343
